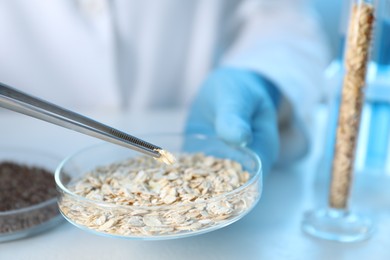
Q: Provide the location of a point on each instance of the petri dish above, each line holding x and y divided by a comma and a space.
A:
159, 222
35, 218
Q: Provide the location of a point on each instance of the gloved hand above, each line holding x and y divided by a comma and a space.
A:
238, 106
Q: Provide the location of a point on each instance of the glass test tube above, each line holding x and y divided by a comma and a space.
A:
337, 222
356, 57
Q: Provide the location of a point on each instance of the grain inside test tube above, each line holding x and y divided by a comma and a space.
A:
356, 57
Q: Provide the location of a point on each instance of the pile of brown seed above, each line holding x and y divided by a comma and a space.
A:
22, 186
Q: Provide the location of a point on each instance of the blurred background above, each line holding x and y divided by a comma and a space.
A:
330, 12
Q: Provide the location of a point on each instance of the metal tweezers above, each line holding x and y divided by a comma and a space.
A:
20, 102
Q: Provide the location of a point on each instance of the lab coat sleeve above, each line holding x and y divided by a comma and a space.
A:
282, 41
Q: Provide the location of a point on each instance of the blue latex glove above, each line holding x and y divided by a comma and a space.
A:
238, 106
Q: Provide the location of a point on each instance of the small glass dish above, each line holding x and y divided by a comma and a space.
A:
108, 218
36, 218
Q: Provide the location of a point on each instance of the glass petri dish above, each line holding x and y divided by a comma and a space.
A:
37, 218
131, 222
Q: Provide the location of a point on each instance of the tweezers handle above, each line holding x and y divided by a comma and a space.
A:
23, 103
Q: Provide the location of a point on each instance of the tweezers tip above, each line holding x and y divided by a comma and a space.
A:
165, 157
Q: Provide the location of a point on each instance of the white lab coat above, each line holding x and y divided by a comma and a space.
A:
149, 54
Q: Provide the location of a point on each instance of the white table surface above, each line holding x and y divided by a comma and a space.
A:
271, 231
